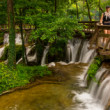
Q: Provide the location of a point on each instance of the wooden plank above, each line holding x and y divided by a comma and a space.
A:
106, 45
103, 26
104, 52
104, 35
94, 37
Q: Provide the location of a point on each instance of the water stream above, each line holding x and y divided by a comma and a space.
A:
68, 90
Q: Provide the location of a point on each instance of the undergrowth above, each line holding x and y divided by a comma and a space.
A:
20, 76
94, 67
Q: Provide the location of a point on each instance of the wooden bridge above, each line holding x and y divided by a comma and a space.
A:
99, 40
4, 27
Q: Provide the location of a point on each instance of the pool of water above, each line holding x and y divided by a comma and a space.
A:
67, 95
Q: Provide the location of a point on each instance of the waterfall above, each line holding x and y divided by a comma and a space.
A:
43, 61
2, 51
31, 57
89, 56
84, 49
6, 38
101, 91
94, 85
72, 49
74, 46
18, 39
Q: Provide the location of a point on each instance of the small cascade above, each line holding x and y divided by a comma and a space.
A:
94, 85
2, 51
68, 51
101, 91
72, 49
31, 57
43, 61
6, 38
84, 49
89, 56
18, 39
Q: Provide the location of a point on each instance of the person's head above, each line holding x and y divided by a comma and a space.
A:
107, 8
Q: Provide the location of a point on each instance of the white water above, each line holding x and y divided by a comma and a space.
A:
98, 95
74, 46
88, 56
84, 49
72, 49
43, 61
18, 40
31, 57
2, 51
93, 86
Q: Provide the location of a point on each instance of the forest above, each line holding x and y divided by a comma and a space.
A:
54, 55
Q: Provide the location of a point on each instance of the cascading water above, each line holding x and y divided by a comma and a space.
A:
18, 40
84, 49
94, 84
98, 95
31, 57
73, 47
43, 62
2, 51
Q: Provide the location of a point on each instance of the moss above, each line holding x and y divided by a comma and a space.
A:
18, 52
94, 67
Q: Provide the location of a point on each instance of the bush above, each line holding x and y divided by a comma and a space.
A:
20, 76
94, 67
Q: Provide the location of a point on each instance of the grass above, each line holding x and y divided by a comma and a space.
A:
20, 76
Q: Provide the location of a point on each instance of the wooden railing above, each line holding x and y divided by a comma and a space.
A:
25, 27
89, 26
100, 40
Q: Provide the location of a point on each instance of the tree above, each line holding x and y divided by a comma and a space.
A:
11, 53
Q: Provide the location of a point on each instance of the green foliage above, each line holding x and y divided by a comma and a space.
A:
94, 67
52, 28
57, 51
20, 76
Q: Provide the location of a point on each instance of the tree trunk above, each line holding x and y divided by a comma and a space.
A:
77, 10
55, 6
11, 52
88, 10
23, 46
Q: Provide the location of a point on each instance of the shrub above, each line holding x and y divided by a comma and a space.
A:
20, 76
94, 67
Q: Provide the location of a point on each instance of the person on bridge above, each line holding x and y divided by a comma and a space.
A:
105, 20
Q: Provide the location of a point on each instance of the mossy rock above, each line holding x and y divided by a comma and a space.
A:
18, 53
